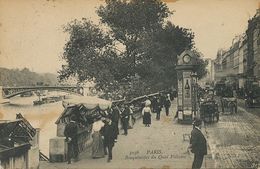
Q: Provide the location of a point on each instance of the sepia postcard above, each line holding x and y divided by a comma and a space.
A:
129, 84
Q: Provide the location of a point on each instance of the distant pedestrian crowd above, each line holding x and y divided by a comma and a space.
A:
155, 105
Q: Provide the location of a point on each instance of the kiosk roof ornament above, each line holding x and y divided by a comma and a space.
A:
187, 60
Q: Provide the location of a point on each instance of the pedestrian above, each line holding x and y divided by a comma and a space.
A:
171, 96
154, 99
97, 144
162, 99
198, 144
167, 105
148, 101
109, 135
125, 119
146, 113
71, 134
157, 109
115, 119
168, 96
131, 118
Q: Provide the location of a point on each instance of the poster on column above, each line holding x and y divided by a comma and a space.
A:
121, 53
180, 94
187, 90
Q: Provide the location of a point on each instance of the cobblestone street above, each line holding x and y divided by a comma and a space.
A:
235, 140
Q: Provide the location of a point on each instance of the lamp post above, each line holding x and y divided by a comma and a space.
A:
194, 77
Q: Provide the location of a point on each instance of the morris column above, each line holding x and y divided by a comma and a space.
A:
187, 87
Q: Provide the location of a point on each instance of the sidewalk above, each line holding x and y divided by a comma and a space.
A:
160, 146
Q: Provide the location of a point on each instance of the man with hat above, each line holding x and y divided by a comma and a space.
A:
109, 134
115, 119
198, 144
71, 134
125, 118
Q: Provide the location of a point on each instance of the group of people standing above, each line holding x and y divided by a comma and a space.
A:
155, 105
105, 131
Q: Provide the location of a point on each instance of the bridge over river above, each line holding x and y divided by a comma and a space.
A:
9, 92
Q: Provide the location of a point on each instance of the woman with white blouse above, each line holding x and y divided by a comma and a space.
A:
146, 112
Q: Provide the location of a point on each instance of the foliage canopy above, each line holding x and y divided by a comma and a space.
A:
132, 52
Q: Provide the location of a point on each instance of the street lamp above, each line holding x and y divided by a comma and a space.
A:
194, 77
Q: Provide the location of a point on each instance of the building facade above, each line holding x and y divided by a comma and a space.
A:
253, 45
241, 62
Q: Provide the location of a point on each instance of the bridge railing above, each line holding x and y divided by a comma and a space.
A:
8, 92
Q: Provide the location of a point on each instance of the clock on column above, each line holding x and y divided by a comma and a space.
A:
186, 58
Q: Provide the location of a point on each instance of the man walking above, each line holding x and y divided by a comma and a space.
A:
125, 118
115, 119
71, 134
109, 134
198, 144
157, 109
167, 105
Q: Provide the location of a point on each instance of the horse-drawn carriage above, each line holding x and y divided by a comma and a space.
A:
209, 111
228, 105
228, 101
208, 106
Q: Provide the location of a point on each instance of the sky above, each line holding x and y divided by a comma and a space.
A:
31, 31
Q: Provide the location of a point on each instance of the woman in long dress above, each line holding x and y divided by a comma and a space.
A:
146, 112
97, 145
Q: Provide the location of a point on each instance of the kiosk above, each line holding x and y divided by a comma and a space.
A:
187, 87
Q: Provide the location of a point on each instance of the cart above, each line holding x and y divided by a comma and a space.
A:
228, 105
252, 99
209, 111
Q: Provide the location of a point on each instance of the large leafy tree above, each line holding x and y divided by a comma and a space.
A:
136, 41
131, 22
161, 54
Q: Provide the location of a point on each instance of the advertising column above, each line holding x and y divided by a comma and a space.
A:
187, 91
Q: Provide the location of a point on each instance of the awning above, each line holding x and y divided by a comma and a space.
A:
88, 101
19, 131
86, 108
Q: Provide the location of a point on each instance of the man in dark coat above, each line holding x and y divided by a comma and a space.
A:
157, 108
162, 99
198, 144
71, 134
109, 134
125, 118
167, 105
154, 100
115, 119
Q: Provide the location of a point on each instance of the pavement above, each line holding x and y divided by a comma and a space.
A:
235, 139
233, 142
161, 146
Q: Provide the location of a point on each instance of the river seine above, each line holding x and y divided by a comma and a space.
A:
40, 116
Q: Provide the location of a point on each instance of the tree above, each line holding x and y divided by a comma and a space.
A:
132, 21
137, 41
85, 51
201, 64
161, 52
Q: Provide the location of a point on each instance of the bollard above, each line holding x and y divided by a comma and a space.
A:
58, 149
